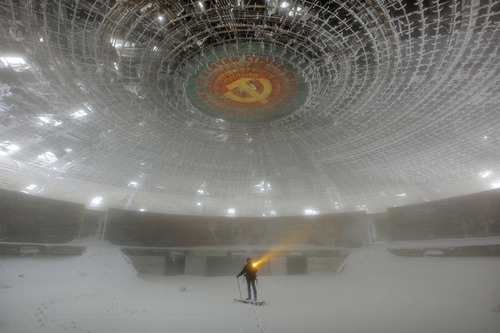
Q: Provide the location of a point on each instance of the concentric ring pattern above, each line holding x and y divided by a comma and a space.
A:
249, 107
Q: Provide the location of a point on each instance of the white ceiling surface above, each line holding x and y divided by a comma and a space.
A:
402, 105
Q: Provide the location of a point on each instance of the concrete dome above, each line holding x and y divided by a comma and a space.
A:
249, 108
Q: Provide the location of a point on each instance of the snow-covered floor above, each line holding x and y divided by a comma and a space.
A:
377, 292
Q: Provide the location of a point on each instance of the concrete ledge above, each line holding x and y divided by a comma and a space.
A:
34, 249
460, 251
224, 261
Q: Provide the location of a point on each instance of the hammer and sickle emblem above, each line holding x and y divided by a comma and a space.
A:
247, 86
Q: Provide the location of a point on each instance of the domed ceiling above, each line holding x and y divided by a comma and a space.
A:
249, 107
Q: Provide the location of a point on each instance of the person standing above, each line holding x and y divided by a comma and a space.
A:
250, 273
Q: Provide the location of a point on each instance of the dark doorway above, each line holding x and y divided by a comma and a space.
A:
296, 265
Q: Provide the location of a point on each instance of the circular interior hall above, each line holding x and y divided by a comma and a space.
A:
190, 134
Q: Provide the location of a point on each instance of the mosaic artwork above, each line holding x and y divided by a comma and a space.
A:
246, 85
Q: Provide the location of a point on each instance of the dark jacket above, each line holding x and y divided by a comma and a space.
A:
250, 272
